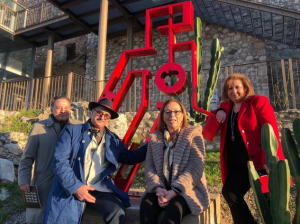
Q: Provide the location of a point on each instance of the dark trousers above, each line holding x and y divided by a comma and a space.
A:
236, 186
174, 212
108, 205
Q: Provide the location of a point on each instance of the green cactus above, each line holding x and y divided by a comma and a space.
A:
279, 182
291, 153
215, 65
173, 81
259, 197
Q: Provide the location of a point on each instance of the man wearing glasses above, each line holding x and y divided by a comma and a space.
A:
85, 158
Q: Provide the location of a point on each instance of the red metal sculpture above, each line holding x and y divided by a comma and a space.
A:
171, 68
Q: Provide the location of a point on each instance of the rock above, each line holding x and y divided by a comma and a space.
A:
4, 193
16, 161
13, 148
7, 173
17, 219
28, 119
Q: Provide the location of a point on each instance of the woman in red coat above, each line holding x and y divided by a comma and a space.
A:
243, 114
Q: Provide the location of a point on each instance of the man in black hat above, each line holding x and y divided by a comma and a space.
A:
85, 158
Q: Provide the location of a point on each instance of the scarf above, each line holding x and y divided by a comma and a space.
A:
168, 153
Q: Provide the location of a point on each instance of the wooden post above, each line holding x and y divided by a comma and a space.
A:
292, 83
284, 83
101, 52
69, 85
3, 95
36, 93
129, 65
226, 72
48, 69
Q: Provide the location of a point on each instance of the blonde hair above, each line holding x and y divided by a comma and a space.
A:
161, 123
245, 81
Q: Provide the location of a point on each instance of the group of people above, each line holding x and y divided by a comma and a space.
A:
72, 164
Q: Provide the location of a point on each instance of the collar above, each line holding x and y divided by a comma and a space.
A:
49, 122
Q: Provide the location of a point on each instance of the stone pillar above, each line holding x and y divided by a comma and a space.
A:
101, 52
48, 69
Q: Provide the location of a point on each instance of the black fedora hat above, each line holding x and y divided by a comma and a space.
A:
107, 104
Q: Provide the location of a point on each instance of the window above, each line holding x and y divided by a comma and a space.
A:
70, 51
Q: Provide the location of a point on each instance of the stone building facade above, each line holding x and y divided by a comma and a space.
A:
239, 48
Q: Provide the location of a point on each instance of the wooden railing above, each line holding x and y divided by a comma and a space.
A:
37, 14
278, 80
7, 18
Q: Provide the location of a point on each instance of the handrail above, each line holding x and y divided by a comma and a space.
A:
7, 18
37, 14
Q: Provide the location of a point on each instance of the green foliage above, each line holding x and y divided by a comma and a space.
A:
14, 124
290, 150
13, 204
29, 113
215, 64
212, 168
135, 140
140, 179
279, 182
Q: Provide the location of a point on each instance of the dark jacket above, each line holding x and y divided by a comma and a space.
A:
68, 165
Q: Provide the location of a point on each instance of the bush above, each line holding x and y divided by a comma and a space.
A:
14, 124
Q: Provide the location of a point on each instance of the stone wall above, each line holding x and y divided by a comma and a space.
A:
239, 48
12, 144
60, 63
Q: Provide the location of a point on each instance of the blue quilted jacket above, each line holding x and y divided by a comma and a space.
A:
63, 207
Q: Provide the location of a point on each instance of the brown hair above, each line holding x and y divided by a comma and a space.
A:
58, 98
245, 81
161, 123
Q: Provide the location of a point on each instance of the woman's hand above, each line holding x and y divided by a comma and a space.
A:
266, 168
170, 195
160, 193
221, 116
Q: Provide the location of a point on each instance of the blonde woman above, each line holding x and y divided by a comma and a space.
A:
174, 168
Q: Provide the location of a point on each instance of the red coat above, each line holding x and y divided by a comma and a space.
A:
254, 113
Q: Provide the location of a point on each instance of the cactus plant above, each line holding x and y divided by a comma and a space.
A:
279, 182
215, 64
291, 153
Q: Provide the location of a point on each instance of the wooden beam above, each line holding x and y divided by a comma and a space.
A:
70, 3
125, 11
73, 17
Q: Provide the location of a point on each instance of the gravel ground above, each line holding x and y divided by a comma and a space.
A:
17, 219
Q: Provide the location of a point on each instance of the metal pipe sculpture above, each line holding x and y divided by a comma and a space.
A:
167, 70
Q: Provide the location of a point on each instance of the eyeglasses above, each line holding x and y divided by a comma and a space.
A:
100, 113
170, 112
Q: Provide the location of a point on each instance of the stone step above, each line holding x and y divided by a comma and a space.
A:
209, 216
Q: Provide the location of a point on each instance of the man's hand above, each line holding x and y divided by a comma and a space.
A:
25, 188
83, 195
